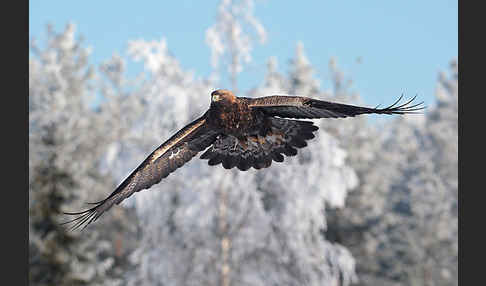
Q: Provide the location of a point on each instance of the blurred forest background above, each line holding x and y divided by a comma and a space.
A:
366, 203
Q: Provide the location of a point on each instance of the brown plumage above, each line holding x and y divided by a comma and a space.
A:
240, 132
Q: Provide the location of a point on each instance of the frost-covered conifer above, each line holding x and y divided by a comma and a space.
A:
230, 38
402, 222
66, 139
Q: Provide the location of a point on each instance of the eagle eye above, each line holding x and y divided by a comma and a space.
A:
216, 97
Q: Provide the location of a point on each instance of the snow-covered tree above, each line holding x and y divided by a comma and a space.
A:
66, 139
274, 83
301, 75
402, 222
230, 38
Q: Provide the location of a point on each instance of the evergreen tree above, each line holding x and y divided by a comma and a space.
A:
66, 139
402, 221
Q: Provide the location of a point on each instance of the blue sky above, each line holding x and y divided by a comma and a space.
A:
403, 44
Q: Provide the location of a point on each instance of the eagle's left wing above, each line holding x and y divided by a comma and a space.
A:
305, 107
169, 156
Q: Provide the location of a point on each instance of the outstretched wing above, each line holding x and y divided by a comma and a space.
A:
305, 107
169, 156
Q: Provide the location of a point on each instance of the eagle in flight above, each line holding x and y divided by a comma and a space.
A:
240, 132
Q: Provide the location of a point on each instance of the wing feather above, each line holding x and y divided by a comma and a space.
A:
259, 147
168, 157
305, 107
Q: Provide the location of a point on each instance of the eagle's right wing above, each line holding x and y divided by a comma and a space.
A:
169, 156
305, 107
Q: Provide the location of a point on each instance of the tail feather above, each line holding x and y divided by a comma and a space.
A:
269, 143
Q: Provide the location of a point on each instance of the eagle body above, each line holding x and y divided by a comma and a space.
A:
233, 117
237, 132
248, 137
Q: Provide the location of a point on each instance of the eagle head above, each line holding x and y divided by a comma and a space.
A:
222, 95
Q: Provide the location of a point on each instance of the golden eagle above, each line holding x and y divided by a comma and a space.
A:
240, 132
